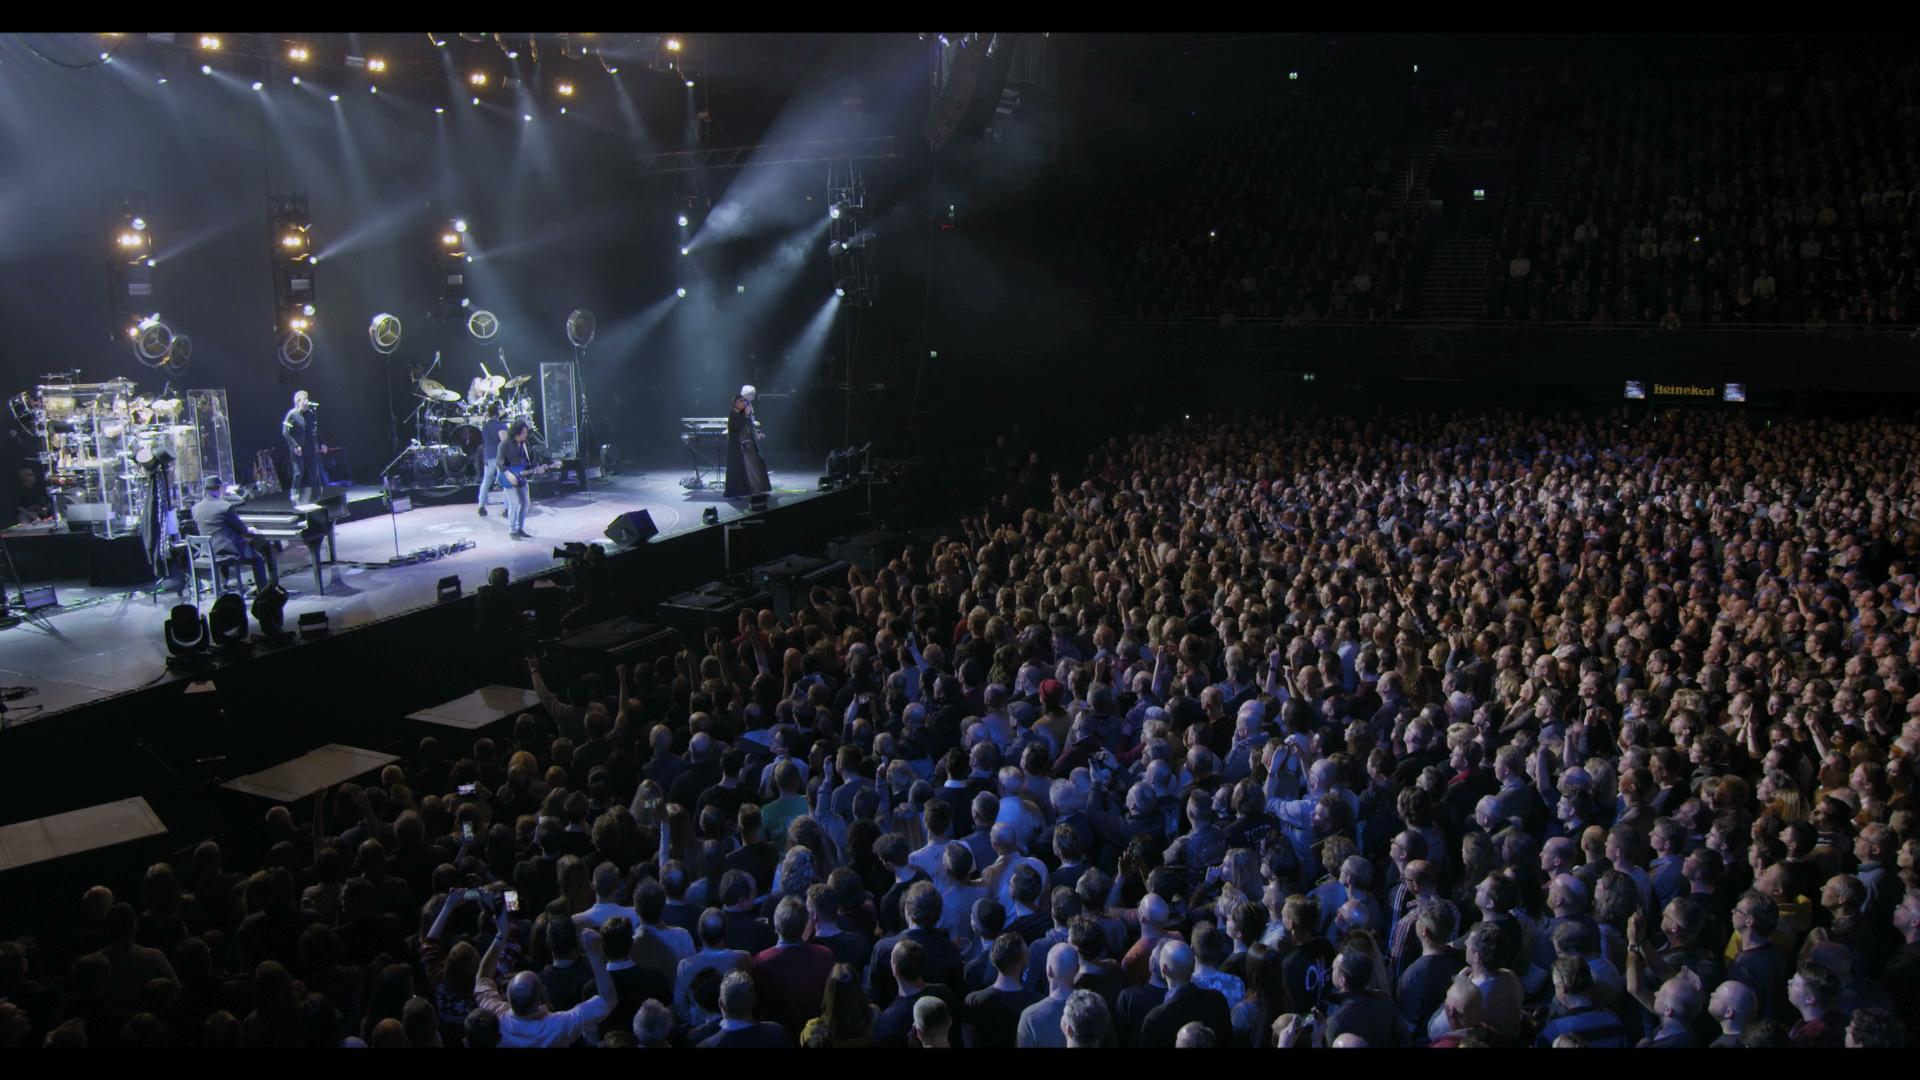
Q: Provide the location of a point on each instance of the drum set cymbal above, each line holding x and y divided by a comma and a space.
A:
433, 391
516, 382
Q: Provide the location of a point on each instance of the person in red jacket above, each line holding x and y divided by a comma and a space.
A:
790, 978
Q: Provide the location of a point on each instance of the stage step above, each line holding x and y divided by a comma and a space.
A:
310, 773
470, 712
107, 825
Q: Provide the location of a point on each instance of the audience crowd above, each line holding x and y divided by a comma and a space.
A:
1288, 213
1467, 731
1731, 202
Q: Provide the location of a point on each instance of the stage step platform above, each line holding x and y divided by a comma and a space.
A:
471, 712
311, 772
45, 839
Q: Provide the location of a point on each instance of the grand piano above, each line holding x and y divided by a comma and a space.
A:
278, 518
705, 437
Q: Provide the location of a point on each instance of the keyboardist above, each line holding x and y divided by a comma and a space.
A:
215, 517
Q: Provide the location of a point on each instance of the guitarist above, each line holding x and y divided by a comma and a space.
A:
515, 464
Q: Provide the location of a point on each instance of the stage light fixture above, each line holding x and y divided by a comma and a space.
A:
162, 80
449, 239
686, 251
296, 80
128, 240
839, 290
564, 89
186, 634
528, 117
563, 110
333, 97
439, 109
376, 65
373, 89
313, 260
151, 263
478, 78
291, 240
689, 84
306, 309
476, 101
673, 44
834, 211
682, 219
681, 293
465, 301
259, 85
228, 621
270, 611
460, 225
739, 289
297, 53
206, 69
139, 224
210, 42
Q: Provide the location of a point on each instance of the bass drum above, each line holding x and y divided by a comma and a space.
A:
461, 434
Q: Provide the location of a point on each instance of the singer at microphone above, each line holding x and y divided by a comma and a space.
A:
301, 428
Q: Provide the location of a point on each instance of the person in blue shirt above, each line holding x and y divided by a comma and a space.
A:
1575, 1012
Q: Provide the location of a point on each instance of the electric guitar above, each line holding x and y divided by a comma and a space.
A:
518, 474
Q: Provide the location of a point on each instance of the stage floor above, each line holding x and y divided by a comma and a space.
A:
107, 641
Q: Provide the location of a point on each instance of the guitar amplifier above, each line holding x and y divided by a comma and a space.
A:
339, 468
715, 604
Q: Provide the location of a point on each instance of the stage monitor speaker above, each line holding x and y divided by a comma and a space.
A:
599, 648
632, 527
715, 604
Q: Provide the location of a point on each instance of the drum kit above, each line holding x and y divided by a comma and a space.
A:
103, 443
454, 433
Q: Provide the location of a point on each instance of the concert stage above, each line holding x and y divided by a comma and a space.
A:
106, 641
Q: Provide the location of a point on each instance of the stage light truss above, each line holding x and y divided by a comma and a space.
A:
850, 239
745, 157
450, 261
292, 243
129, 251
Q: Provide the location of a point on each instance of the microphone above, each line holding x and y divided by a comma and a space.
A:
311, 404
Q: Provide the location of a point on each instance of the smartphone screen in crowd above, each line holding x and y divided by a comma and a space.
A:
513, 902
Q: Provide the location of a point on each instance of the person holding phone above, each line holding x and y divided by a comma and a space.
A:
525, 1019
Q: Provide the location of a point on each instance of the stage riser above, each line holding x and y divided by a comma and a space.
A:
353, 687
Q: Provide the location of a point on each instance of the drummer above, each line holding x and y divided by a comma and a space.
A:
479, 395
